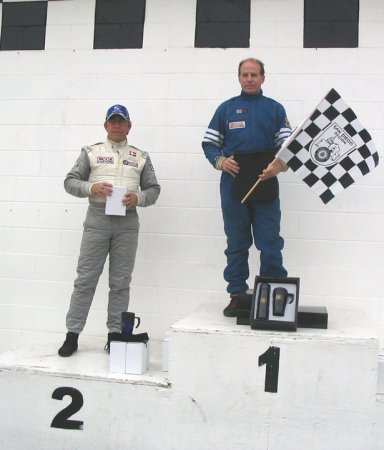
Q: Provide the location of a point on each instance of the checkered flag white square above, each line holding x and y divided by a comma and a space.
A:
330, 150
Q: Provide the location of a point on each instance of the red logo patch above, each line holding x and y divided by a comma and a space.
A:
234, 125
105, 159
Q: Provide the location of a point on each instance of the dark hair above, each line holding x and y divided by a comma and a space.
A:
261, 64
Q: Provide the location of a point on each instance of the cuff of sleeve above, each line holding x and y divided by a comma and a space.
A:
139, 201
285, 167
219, 162
90, 188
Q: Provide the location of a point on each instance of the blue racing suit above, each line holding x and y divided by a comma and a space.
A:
243, 124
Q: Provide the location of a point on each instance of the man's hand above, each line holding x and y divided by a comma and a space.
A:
102, 189
272, 170
230, 165
130, 199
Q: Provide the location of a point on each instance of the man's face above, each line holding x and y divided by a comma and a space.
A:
117, 128
250, 78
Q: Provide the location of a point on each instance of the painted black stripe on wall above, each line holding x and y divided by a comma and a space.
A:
119, 24
223, 23
23, 25
331, 23
219, 23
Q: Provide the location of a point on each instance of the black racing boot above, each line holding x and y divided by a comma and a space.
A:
70, 344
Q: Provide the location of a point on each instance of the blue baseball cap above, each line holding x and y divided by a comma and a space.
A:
117, 109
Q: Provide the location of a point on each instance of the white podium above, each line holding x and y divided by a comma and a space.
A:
228, 387
326, 383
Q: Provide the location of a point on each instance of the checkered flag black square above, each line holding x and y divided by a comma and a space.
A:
331, 149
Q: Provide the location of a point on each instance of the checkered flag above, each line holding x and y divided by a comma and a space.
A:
330, 149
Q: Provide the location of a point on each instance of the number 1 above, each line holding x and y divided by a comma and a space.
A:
271, 358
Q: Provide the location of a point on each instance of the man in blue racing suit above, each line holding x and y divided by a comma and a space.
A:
246, 123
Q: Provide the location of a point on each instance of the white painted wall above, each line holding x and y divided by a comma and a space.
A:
53, 102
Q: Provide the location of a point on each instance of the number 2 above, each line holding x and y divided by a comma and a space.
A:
61, 419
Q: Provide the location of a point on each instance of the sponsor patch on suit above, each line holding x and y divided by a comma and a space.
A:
234, 125
105, 159
130, 163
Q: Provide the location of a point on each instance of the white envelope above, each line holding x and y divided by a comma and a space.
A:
114, 205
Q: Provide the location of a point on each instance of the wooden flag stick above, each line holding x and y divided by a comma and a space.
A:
254, 186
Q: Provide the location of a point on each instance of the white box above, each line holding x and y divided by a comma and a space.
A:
380, 375
148, 353
137, 357
165, 352
117, 356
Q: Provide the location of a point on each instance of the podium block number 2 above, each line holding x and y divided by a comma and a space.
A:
61, 419
271, 358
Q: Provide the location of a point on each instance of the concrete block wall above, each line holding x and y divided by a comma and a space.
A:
52, 102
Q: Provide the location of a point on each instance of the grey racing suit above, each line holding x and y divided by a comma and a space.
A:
120, 165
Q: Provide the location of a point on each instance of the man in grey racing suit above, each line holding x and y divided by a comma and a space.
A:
99, 168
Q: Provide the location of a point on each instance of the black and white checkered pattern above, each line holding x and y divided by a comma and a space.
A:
328, 181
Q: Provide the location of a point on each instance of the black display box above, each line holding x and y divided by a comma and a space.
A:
307, 316
312, 317
269, 294
244, 305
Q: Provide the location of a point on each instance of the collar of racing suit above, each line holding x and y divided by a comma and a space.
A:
251, 97
116, 144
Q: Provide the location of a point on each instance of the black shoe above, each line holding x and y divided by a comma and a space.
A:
231, 309
114, 336
70, 344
